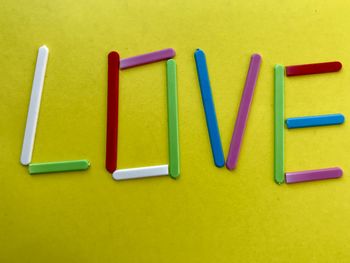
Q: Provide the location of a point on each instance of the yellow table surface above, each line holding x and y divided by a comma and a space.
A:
209, 214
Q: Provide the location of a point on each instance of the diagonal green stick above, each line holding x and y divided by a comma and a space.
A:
173, 122
53, 167
279, 124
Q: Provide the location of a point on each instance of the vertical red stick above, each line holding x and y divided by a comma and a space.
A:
112, 111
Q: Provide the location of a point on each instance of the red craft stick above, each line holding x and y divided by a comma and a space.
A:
316, 68
112, 111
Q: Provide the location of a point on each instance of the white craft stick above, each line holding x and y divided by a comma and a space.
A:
34, 105
141, 172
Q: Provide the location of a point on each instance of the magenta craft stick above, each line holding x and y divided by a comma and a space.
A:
313, 175
151, 57
243, 111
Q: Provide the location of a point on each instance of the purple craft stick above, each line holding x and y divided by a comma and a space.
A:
151, 57
243, 111
313, 175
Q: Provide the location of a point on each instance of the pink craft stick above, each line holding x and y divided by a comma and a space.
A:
159, 55
313, 175
243, 111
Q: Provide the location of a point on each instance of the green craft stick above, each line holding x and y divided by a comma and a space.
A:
173, 126
54, 167
279, 124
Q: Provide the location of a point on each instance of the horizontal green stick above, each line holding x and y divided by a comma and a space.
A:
54, 167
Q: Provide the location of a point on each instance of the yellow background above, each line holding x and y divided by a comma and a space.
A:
209, 214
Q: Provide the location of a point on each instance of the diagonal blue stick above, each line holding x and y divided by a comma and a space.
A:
209, 108
311, 121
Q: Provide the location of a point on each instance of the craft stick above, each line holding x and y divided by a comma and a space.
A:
141, 172
62, 166
242, 116
34, 105
279, 124
112, 112
313, 175
173, 120
209, 108
317, 68
151, 57
312, 121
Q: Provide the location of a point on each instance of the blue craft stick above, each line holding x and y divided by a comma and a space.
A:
311, 121
209, 108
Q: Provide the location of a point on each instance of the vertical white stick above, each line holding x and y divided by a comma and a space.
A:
34, 105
